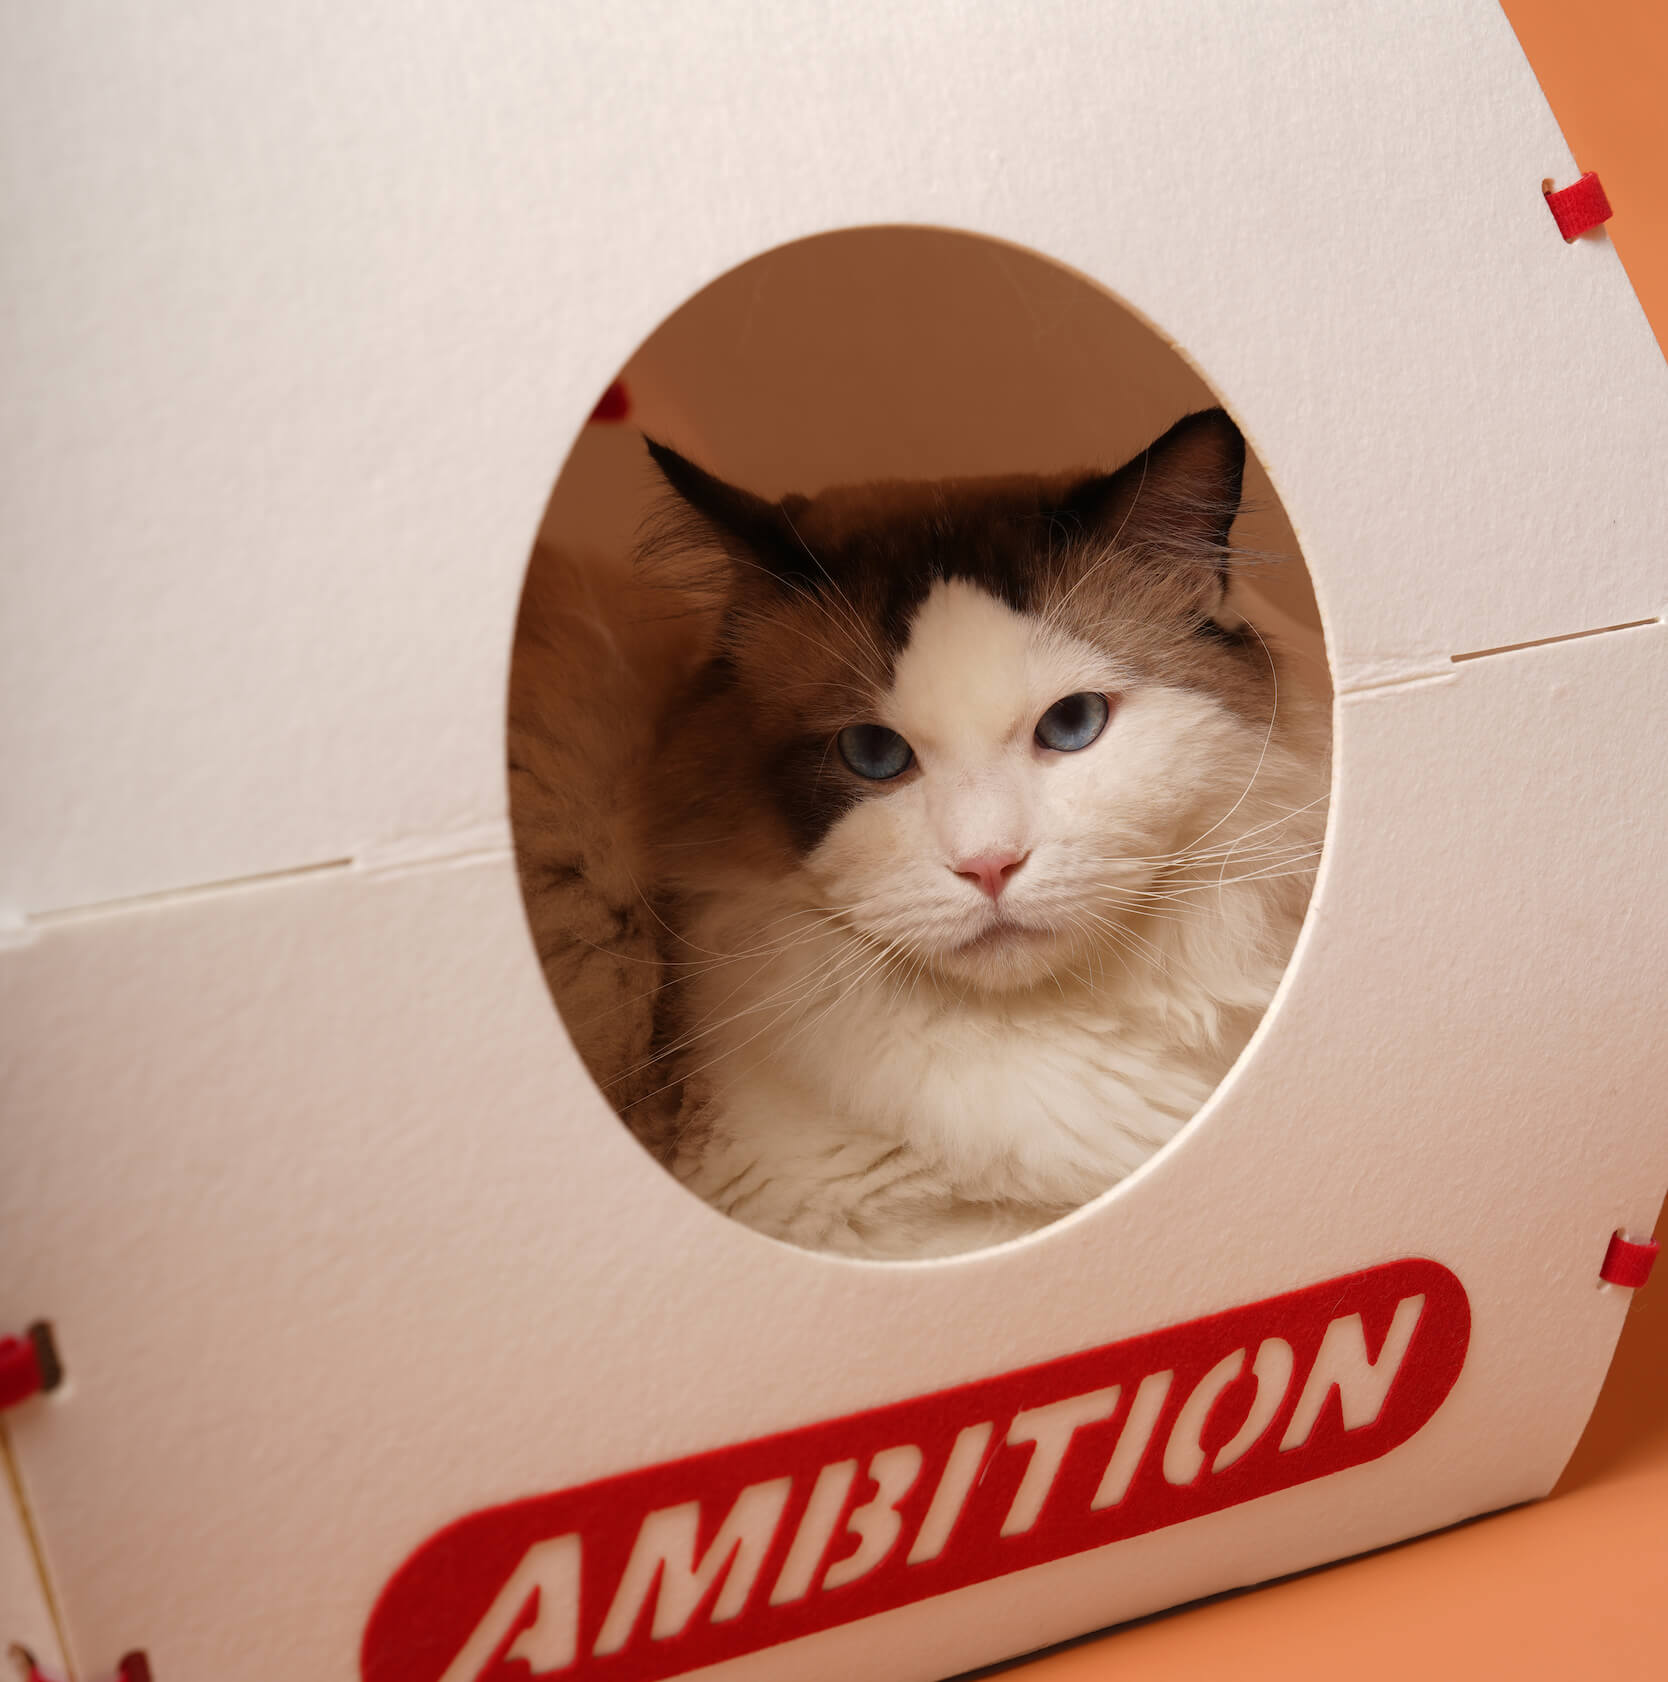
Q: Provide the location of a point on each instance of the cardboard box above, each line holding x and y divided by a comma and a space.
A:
341, 1245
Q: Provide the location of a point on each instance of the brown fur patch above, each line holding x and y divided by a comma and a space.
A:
596, 659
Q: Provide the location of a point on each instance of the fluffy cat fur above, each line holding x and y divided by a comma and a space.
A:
597, 659
912, 1016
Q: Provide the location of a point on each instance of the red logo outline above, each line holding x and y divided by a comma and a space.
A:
669, 1568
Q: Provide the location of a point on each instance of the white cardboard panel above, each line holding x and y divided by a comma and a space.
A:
308, 303
341, 1244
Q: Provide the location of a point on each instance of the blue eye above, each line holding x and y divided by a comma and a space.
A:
1074, 722
873, 751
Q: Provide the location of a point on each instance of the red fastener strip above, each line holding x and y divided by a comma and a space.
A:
28, 1365
134, 1667
614, 404
1628, 1263
1579, 207
28, 1669
20, 1371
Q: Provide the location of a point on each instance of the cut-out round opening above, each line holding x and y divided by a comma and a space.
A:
918, 741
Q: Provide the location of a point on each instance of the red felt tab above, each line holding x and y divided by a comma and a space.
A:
135, 1667
20, 1371
28, 1365
1579, 207
615, 402
1628, 1262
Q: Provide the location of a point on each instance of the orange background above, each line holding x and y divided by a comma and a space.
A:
1575, 1588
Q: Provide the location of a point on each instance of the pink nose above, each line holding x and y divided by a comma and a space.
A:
990, 871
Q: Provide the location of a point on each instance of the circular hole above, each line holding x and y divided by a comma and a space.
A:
918, 740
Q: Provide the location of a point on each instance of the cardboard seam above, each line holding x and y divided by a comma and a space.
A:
1424, 676
383, 871
453, 846
475, 846
1420, 679
24, 930
1544, 642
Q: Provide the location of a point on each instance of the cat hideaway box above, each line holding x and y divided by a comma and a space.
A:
387, 1352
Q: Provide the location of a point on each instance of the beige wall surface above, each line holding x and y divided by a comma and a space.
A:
911, 353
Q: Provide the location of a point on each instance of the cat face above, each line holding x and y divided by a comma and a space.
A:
1047, 782
974, 722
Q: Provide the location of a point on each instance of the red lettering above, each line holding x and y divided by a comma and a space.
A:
659, 1571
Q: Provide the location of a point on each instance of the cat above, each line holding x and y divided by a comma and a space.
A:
979, 837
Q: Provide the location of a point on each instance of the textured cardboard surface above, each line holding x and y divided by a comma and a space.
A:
353, 1214
339, 1242
1570, 1587
308, 306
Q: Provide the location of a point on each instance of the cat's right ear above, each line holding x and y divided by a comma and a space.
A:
1173, 506
754, 533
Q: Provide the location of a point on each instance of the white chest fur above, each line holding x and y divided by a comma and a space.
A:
844, 1101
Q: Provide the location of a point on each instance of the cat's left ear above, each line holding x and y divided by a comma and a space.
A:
757, 535
1175, 503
